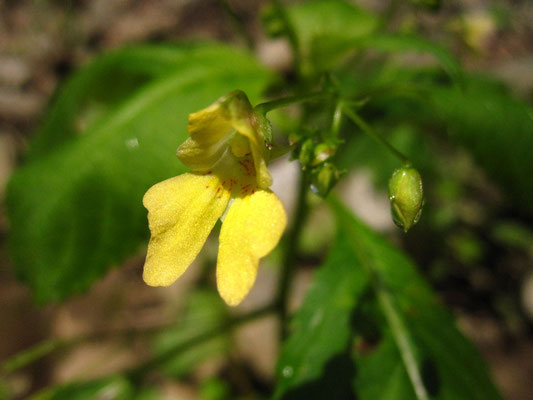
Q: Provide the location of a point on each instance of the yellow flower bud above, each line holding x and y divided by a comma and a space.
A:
406, 197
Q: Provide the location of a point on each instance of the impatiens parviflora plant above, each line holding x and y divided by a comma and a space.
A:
227, 152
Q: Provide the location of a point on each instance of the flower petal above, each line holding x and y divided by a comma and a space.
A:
181, 213
201, 157
251, 229
255, 129
208, 129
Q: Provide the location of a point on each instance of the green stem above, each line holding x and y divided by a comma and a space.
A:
291, 34
291, 252
28, 356
237, 23
373, 134
136, 373
337, 120
48, 346
264, 108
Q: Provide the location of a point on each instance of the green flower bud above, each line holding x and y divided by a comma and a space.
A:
323, 151
325, 177
406, 197
306, 155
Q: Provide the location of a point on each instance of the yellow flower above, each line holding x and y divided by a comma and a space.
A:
227, 152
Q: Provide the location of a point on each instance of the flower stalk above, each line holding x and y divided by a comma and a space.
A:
352, 115
290, 256
268, 106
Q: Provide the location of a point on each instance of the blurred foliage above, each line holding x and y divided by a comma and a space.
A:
370, 325
205, 311
116, 388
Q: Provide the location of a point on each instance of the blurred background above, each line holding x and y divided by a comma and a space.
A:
476, 250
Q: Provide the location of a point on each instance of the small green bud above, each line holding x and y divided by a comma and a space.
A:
406, 197
323, 151
306, 155
325, 177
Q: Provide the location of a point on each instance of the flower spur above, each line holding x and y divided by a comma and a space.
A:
227, 152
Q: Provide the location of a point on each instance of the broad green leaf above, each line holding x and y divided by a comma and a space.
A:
411, 43
319, 343
205, 312
381, 375
96, 88
496, 129
457, 371
112, 388
78, 210
320, 25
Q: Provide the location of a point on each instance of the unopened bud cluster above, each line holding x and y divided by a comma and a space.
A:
315, 156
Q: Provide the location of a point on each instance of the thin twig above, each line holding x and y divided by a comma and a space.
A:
291, 251
48, 346
264, 108
291, 34
135, 374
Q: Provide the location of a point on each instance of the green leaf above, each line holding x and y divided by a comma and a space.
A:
411, 43
205, 312
456, 370
371, 328
323, 25
77, 210
381, 375
86, 97
321, 331
496, 129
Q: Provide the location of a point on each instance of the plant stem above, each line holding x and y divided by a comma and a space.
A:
139, 371
337, 120
48, 346
291, 251
291, 34
237, 23
373, 134
285, 101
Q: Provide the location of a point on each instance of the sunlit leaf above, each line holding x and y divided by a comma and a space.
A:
95, 89
406, 44
77, 210
323, 25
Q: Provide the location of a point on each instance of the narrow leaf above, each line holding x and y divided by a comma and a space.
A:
321, 331
428, 329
